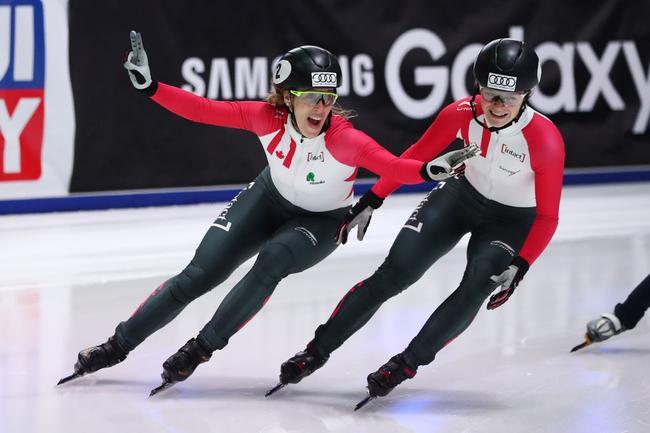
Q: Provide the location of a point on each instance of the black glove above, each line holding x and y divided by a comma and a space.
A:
449, 164
508, 280
359, 215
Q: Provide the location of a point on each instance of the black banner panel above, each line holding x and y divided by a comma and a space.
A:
401, 64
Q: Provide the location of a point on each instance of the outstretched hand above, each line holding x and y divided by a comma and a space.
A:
449, 164
137, 63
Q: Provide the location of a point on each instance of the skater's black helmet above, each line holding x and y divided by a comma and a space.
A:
307, 67
507, 64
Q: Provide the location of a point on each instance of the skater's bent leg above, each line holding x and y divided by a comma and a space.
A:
412, 253
486, 257
359, 305
632, 310
247, 297
455, 314
165, 303
236, 235
410, 256
299, 244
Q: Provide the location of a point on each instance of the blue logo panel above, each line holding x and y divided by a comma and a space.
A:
22, 44
22, 82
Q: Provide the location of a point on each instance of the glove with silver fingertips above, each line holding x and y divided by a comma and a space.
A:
508, 280
358, 216
449, 164
136, 64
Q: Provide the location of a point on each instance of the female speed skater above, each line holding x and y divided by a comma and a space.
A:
508, 199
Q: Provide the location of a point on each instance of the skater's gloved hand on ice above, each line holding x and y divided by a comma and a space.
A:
358, 216
137, 64
508, 280
448, 165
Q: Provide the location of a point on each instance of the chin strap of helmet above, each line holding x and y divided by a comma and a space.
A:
497, 128
292, 116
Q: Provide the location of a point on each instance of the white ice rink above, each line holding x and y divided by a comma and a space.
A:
67, 279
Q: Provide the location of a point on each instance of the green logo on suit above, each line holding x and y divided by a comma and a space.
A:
311, 179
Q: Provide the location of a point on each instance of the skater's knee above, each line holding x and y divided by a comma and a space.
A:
477, 284
389, 280
191, 283
274, 262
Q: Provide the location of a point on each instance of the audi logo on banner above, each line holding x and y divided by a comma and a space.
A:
502, 82
323, 79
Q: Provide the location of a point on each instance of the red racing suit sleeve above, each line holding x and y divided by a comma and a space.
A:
547, 160
356, 149
435, 139
255, 116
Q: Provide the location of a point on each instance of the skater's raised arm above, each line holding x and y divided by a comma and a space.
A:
241, 115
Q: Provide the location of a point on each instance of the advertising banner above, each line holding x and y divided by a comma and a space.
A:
70, 121
36, 118
401, 63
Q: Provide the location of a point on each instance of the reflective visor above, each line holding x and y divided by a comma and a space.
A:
313, 97
509, 99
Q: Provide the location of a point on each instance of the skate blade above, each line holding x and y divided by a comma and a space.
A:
276, 388
364, 402
73, 376
584, 344
165, 385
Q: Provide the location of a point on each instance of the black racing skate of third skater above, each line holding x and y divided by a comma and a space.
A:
600, 329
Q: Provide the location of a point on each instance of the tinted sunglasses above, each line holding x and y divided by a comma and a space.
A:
507, 98
313, 97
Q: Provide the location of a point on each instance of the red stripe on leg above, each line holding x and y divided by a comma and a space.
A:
340, 304
254, 314
145, 301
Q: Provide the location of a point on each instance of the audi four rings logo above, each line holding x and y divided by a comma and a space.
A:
323, 79
501, 82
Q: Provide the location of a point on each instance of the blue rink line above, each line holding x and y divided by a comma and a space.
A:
98, 201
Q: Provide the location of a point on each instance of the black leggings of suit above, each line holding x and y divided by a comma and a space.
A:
451, 210
635, 306
288, 239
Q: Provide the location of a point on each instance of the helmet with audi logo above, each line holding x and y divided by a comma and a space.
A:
306, 67
507, 64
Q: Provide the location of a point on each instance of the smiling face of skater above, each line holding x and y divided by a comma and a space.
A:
500, 107
311, 108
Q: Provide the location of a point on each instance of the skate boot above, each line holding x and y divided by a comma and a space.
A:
95, 358
601, 329
182, 364
389, 375
299, 366
604, 327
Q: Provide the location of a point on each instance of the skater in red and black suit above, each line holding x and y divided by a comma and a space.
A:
289, 215
508, 200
